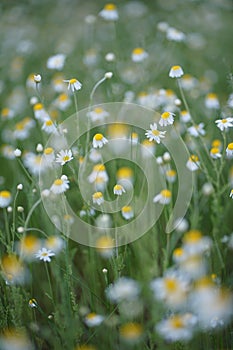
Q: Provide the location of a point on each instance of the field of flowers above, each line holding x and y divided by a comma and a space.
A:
116, 176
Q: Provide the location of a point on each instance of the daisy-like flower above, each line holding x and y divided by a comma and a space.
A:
171, 175
40, 113
196, 130
109, 12
28, 246
63, 102
148, 148
188, 82
167, 118
118, 190
174, 34
7, 113
193, 163
32, 303
215, 153
73, 84
54, 243
105, 244
64, 157
49, 155
99, 140
56, 62
195, 243
49, 127
154, 134
44, 254
123, 289
176, 72
97, 114
5, 199
98, 198
177, 327
211, 101
229, 150
172, 289
93, 320
231, 194
60, 185
99, 170
164, 197
224, 124
127, 212
139, 54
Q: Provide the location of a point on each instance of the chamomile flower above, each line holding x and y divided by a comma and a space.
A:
49, 127
171, 175
54, 243
127, 212
63, 102
176, 72
7, 113
98, 198
73, 84
148, 148
229, 150
154, 134
32, 303
177, 327
174, 34
231, 194
99, 170
92, 319
123, 289
164, 197
215, 153
172, 289
40, 113
109, 12
195, 243
211, 101
188, 82
56, 62
60, 185
193, 163
224, 124
28, 246
5, 198
139, 54
49, 155
64, 157
99, 140
167, 118
197, 130
118, 190
44, 254
13, 270
95, 155
97, 114
105, 244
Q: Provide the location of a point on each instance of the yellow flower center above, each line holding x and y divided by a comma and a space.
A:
104, 242
131, 330
192, 236
127, 209
5, 194
224, 121
155, 132
98, 137
73, 81
194, 158
63, 97
66, 158
214, 150
29, 243
212, 95
138, 51
165, 115
124, 172
58, 182
178, 252
118, 187
166, 193
91, 316
48, 123
171, 173
38, 107
5, 112
99, 167
176, 67
230, 146
48, 150
110, 7
170, 284
216, 143
97, 195
98, 110
177, 322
